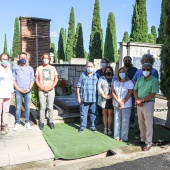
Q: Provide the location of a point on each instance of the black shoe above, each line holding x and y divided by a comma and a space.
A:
81, 130
137, 132
51, 125
41, 126
93, 129
139, 143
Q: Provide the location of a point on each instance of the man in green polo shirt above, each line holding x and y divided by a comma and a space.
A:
145, 90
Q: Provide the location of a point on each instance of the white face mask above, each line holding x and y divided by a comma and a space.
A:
46, 60
146, 73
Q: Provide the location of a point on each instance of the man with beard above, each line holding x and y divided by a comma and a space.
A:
131, 72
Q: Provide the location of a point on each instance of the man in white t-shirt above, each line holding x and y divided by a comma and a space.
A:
46, 80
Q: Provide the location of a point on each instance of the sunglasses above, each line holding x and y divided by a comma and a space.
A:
127, 60
147, 69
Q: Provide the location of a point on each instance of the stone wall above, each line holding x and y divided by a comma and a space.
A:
136, 50
70, 72
28, 27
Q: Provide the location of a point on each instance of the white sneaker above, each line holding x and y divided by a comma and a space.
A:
28, 126
17, 126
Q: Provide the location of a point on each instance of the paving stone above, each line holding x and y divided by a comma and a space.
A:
30, 156
4, 160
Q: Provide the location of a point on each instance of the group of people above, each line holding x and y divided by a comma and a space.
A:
115, 96
20, 81
99, 93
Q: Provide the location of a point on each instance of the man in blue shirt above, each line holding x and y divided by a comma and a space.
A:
146, 58
23, 76
87, 96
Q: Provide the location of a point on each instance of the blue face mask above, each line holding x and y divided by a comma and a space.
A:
122, 75
23, 61
4, 63
89, 69
103, 65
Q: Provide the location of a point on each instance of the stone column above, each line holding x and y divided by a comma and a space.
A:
28, 27
167, 123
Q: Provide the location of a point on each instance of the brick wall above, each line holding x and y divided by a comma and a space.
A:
28, 38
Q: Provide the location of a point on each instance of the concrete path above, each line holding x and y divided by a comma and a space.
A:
23, 146
27, 148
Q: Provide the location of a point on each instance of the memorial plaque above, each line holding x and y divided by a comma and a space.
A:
68, 103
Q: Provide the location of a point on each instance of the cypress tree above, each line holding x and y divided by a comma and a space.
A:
110, 47
165, 54
5, 46
139, 29
16, 47
78, 42
154, 33
61, 45
96, 36
70, 38
53, 50
161, 29
151, 38
126, 37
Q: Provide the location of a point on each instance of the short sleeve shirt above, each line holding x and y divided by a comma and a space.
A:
146, 86
88, 87
121, 90
46, 75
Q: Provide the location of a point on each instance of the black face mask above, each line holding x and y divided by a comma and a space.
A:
108, 73
127, 64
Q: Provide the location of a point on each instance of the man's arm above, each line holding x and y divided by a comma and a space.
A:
78, 95
54, 83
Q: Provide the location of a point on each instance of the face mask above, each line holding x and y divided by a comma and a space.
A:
4, 63
89, 70
122, 75
46, 60
146, 73
23, 61
103, 65
127, 64
108, 73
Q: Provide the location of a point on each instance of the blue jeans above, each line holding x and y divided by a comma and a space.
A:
121, 123
86, 108
27, 99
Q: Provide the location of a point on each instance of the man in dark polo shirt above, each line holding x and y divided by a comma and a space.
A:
131, 72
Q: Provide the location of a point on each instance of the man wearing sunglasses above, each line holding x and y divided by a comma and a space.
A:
131, 72
145, 90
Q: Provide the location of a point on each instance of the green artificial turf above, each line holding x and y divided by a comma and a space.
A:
67, 143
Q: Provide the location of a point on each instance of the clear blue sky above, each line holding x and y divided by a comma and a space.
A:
59, 10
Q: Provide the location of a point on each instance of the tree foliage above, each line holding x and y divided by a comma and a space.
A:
78, 42
16, 47
5, 46
161, 29
110, 47
126, 37
70, 38
53, 50
151, 38
154, 33
165, 54
96, 36
61, 45
139, 29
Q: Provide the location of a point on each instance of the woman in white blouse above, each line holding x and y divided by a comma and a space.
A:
6, 88
105, 98
122, 92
